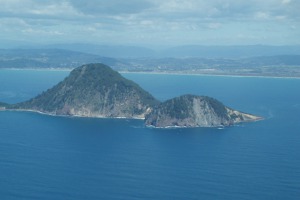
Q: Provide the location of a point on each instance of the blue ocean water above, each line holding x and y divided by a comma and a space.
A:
46, 157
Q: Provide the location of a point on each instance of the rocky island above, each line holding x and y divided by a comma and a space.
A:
195, 111
95, 90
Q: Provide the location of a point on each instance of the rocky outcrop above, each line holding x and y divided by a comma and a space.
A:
195, 111
93, 90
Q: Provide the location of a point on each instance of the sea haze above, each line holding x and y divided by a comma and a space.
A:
68, 158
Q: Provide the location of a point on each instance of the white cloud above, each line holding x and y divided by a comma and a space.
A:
42, 32
37, 9
147, 23
56, 9
111, 7
214, 25
286, 1
131, 20
178, 6
262, 15
280, 17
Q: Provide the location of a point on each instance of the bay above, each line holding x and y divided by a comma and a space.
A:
46, 157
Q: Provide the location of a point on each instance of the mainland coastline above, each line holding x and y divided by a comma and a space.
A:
180, 73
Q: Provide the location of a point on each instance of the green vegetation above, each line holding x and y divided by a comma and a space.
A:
217, 106
181, 107
94, 88
194, 111
178, 107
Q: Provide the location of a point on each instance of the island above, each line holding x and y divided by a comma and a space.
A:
195, 111
95, 90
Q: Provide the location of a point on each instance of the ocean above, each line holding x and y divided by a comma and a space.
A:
70, 158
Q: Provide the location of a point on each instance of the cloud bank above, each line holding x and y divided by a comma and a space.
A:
151, 22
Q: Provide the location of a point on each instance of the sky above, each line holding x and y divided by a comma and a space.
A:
150, 22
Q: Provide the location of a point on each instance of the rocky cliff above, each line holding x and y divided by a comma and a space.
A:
195, 111
93, 90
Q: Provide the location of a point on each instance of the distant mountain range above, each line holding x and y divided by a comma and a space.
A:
273, 61
48, 58
233, 52
122, 51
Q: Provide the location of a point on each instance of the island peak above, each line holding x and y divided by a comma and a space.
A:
93, 90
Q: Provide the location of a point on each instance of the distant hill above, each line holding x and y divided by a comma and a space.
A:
274, 66
292, 60
285, 65
183, 51
59, 58
235, 52
48, 58
113, 51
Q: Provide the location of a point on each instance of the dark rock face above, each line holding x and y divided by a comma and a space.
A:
93, 90
195, 111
